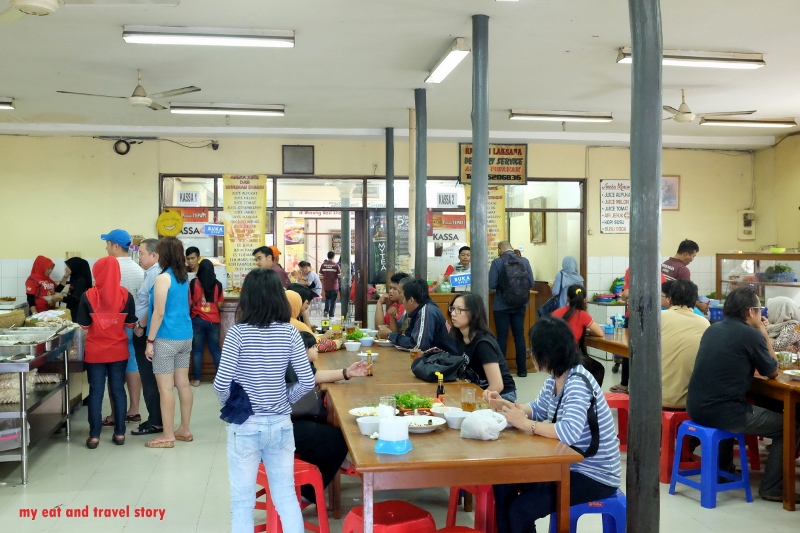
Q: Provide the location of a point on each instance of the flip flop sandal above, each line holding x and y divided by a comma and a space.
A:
108, 422
181, 438
92, 443
118, 440
618, 388
133, 418
160, 444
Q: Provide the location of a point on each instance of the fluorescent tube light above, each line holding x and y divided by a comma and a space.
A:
559, 116
750, 123
692, 58
7, 103
208, 36
450, 60
227, 109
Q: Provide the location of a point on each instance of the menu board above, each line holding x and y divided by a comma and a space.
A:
615, 206
495, 216
245, 216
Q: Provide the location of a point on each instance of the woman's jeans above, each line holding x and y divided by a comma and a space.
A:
204, 331
96, 376
268, 439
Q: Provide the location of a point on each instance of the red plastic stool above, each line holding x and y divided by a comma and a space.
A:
393, 516
751, 443
620, 402
670, 420
484, 507
304, 474
459, 529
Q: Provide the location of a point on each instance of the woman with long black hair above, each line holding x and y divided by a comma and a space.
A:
205, 293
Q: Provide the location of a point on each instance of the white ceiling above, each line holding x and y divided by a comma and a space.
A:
356, 63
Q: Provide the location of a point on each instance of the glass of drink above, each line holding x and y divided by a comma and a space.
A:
357, 324
468, 399
387, 406
415, 352
784, 360
350, 328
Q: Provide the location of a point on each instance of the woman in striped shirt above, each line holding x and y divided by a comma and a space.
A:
255, 355
563, 410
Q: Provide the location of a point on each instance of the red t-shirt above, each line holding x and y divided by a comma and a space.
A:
329, 274
578, 321
40, 289
198, 306
400, 311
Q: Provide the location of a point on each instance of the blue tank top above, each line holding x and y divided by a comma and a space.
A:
177, 324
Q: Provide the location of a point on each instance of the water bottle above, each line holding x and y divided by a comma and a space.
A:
619, 334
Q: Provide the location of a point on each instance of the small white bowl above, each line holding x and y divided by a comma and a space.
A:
352, 346
455, 418
368, 424
440, 410
363, 355
366, 341
369, 332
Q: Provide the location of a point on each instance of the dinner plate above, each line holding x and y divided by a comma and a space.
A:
424, 424
383, 343
793, 374
367, 411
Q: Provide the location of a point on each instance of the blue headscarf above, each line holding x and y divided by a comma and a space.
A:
567, 276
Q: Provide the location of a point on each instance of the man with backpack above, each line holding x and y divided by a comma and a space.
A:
512, 278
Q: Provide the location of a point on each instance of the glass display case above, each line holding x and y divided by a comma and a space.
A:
769, 274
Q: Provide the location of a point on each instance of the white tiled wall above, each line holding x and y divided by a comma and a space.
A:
14, 272
602, 270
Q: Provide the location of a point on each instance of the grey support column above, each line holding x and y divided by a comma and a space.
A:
644, 427
420, 200
478, 240
390, 226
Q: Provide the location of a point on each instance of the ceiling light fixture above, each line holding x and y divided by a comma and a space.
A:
450, 60
6, 103
559, 116
227, 109
750, 123
208, 36
692, 58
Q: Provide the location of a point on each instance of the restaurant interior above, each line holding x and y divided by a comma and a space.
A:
74, 165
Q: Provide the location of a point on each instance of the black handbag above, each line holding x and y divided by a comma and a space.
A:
310, 406
450, 366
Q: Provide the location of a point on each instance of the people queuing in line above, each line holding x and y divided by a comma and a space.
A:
77, 280
256, 354
192, 259
106, 311
486, 364
205, 294
568, 406
391, 315
169, 341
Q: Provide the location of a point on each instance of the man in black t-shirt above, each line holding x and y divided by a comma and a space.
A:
729, 353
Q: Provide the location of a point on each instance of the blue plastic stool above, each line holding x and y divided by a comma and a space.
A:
709, 466
613, 509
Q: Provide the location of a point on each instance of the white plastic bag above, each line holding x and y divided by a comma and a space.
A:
483, 425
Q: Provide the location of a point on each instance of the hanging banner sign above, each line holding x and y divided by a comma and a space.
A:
446, 199
244, 216
508, 164
449, 228
294, 239
615, 206
495, 216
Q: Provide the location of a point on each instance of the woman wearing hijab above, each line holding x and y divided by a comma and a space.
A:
784, 317
39, 288
205, 293
296, 304
566, 277
105, 311
78, 277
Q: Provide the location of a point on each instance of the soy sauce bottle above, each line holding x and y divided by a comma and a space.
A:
369, 363
440, 387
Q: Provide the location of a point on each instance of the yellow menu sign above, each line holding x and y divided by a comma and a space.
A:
495, 216
245, 218
508, 164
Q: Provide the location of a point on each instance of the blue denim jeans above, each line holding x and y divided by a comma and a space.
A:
515, 319
204, 331
268, 439
96, 376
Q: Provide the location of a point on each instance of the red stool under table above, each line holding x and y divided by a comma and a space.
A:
670, 420
304, 474
484, 507
393, 516
620, 402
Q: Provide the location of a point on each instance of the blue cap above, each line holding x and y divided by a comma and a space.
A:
118, 236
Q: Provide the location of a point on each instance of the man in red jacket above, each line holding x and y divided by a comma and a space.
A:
329, 273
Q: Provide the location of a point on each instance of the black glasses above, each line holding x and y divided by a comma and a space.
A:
456, 310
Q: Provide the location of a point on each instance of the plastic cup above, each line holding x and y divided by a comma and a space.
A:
468, 399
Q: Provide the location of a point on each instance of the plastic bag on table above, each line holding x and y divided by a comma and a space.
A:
483, 425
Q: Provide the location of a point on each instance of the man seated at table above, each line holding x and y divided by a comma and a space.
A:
723, 372
681, 331
427, 327
394, 298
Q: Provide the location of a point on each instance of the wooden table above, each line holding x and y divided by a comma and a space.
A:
787, 391
444, 459
607, 343
391, 366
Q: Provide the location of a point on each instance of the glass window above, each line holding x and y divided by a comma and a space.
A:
549, 194
547, 237
319, 193
376, 192
172, 187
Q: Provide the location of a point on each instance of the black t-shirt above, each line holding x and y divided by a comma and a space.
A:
483, 350
730, 351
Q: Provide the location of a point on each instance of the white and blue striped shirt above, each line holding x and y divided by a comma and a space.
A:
257, 358
572, 427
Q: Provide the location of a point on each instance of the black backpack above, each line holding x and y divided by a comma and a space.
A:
514, 285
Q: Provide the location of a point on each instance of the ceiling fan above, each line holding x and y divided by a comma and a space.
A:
683, 114
140, 98
20, 8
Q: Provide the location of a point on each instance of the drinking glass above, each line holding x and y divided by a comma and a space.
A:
387, 406
415, 352
784, 360
468, 399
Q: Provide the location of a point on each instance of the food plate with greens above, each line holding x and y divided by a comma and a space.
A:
411, 400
